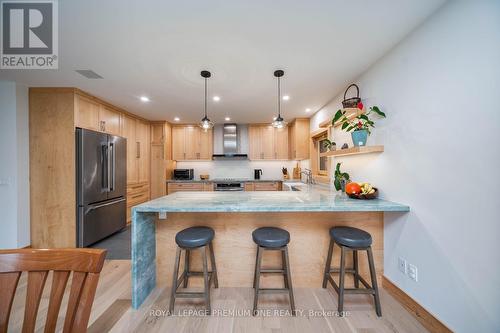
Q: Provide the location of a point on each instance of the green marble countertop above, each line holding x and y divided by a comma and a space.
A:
309, 199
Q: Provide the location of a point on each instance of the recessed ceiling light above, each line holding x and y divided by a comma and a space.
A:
177, 119
286, 98
216, 98
144, 98
308, 110
227, 119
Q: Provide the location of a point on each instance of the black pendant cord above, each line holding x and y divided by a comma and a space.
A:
206, 98
279, 98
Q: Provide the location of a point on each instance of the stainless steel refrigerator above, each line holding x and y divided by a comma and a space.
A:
101, 161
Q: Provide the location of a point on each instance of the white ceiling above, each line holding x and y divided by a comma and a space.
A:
158, 48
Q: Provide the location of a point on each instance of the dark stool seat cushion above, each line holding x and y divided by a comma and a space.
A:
351, 237
194, 237
271, 237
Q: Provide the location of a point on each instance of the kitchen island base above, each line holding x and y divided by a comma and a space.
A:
153, 247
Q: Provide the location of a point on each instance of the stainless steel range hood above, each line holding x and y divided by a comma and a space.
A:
231, 145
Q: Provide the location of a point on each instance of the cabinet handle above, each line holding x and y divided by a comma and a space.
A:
184, 155
138, 149
198, 155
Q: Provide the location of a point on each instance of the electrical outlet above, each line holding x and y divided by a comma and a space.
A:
402, 265
413, 272
162, 215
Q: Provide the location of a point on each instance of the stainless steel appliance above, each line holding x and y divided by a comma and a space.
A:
257, 173
101, 180
229, 185
183, 174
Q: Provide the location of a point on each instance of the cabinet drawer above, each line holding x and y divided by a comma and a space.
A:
177, 187
136, 188
266, 186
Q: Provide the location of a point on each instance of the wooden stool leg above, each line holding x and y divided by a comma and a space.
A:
214, 267
174, 279
328, 263
355, 268
283, 266
341, 280
257, 279
205, 278
186, 268
373, 276
289, 281
255, 270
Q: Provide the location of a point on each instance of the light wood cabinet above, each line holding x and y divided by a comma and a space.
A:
298, 138
109, 120
86, 113
162, 164
143, 145
263, 186
96, 116
129, 132
267, 143
190, 142
190, 187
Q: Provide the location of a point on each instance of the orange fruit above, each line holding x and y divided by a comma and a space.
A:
352, 188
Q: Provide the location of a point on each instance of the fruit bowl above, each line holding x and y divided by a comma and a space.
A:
361, 196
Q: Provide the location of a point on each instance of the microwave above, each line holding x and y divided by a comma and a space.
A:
183, 174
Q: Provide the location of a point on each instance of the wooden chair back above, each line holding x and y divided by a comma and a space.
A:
85, 264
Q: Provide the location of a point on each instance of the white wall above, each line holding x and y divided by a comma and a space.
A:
238, 169
14, 168
440, 88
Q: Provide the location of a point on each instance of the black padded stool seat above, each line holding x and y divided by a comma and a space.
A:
271, 237
194, 237
351, 237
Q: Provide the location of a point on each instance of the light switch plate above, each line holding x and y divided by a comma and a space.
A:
162, 215
413, 272
402, 265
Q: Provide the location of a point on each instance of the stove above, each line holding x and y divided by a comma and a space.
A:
230, 184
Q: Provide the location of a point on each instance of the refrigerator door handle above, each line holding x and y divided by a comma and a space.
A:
108, 168
91, 208
104, 164
113, 166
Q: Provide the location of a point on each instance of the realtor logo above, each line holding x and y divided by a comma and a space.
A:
29, 35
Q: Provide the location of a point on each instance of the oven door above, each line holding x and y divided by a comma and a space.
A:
229, 187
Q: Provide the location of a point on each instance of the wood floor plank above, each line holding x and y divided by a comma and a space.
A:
111, 311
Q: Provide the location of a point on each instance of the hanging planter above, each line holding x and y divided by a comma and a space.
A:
351, 102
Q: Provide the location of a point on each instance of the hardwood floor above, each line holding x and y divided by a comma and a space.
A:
112, 312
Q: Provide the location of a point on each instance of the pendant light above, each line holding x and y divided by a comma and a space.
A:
279, 122
205, 123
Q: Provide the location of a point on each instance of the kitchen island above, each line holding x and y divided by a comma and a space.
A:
307, 215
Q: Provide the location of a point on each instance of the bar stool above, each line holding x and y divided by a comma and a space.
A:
353, 239
273, 239
192, 239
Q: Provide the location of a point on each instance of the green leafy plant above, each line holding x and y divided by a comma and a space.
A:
361, 122
339, 176
328, 144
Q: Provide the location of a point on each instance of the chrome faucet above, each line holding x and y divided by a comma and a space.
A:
308, 173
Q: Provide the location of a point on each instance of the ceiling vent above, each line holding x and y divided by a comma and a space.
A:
89, 74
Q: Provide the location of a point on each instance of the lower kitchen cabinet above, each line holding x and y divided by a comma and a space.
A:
190, 187
136, 194
263, 186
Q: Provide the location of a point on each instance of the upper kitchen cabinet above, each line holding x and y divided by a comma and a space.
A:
189, 142
86, 113
267, 143
129, 132
143, 145
298, 138
109, 120
92, 114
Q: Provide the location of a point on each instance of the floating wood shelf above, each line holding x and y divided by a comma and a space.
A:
354, 151
351, 113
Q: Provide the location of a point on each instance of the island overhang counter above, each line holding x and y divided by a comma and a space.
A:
307, 215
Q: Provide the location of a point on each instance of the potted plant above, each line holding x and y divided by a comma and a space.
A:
330, 145
360, 125
340, 178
